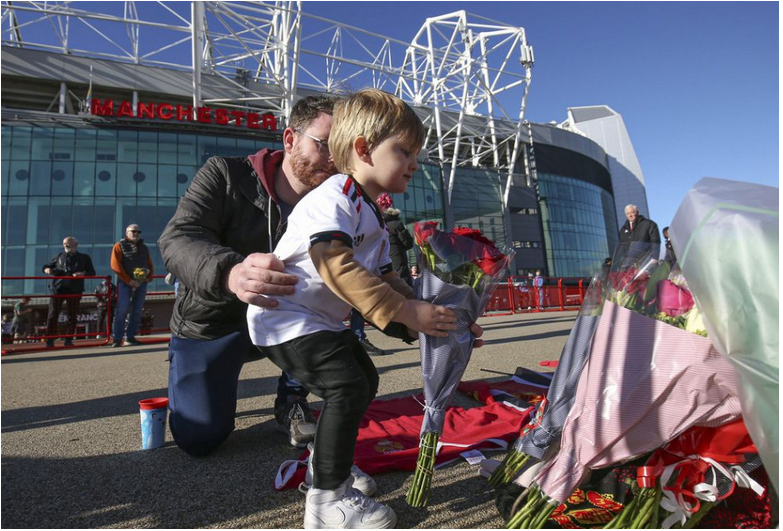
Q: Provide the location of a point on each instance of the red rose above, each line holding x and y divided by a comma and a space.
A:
424, 231
672, 299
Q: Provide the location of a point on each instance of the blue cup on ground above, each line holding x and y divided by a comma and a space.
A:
154, 412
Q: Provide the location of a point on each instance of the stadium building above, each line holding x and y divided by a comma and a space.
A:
108, 113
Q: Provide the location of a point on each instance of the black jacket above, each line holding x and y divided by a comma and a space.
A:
400, 240
643, 240
65, 264
646, 230
222, 218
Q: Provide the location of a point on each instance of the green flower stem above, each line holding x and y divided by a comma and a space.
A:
656, 508
704, 508
419, 492
622, 518
647, 499
506, 471
534, 514
543, 515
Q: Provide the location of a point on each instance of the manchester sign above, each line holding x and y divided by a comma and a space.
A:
183, 113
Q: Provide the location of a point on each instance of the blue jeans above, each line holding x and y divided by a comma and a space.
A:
203, 380
357, 324
128, 299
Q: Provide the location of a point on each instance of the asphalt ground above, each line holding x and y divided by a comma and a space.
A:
71, 439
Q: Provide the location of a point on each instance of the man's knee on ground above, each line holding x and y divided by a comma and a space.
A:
194, 439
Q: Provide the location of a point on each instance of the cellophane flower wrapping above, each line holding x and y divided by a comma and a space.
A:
727, 237
646, 380
653, 288
545, 428
458, 271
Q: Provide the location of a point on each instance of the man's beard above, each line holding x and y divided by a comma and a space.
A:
307, 173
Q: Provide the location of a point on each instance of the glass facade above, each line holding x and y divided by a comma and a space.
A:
477, 202
423, 200
579, 227
91, 183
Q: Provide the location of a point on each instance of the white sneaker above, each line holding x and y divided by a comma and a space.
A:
346, 508
362, 481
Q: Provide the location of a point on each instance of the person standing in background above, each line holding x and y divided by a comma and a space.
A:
106, 296
21, 321
670, 257
538, 282
131, 261
400, 240
69, 263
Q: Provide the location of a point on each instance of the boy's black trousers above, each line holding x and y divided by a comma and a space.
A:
335, 367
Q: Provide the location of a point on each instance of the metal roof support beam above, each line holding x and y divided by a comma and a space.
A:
197, 33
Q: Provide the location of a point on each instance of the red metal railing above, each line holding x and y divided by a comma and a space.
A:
83, 334
519, 295
514, 296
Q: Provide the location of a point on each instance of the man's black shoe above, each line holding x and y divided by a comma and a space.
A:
132, 343
50, 343
116, 344
371, 349
68, 343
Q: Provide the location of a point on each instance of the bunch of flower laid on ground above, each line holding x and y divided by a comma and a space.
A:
544, 429
655, 289
644, 383
458, 269
682, 480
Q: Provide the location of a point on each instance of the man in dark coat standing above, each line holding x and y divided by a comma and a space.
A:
639, 234
70, 263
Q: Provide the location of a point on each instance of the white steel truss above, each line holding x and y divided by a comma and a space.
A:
467, 76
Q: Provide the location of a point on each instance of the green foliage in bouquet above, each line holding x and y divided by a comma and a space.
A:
658, 292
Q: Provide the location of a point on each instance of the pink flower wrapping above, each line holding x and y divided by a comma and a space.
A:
645, 383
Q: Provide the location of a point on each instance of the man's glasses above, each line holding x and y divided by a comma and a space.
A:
323, 145
135, 231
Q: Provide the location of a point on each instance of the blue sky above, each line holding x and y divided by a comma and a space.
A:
696, 82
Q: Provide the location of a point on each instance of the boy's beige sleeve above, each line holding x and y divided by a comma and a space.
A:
371, 295
398, 284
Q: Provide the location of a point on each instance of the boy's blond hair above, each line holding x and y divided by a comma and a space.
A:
376, 115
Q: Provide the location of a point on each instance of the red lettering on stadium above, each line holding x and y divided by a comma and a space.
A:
168, 112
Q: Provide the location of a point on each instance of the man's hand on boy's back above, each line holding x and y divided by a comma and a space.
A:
259, 277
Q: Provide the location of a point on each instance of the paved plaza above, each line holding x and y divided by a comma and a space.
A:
70, 440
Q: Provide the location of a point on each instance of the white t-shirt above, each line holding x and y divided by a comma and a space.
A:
336, 210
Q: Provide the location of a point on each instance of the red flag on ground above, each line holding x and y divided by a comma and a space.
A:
389, 435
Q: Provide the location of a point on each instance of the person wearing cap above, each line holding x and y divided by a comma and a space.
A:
69, 263
131, 261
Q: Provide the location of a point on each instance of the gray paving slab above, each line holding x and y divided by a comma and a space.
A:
70, 441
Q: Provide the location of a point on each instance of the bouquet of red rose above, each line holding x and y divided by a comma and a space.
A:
684, 479
458, 269
649, 376
652, 288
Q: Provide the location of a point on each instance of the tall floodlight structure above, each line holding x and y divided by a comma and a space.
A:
467, 76
465, 72
235, 54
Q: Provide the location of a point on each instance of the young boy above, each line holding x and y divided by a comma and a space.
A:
338, 246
